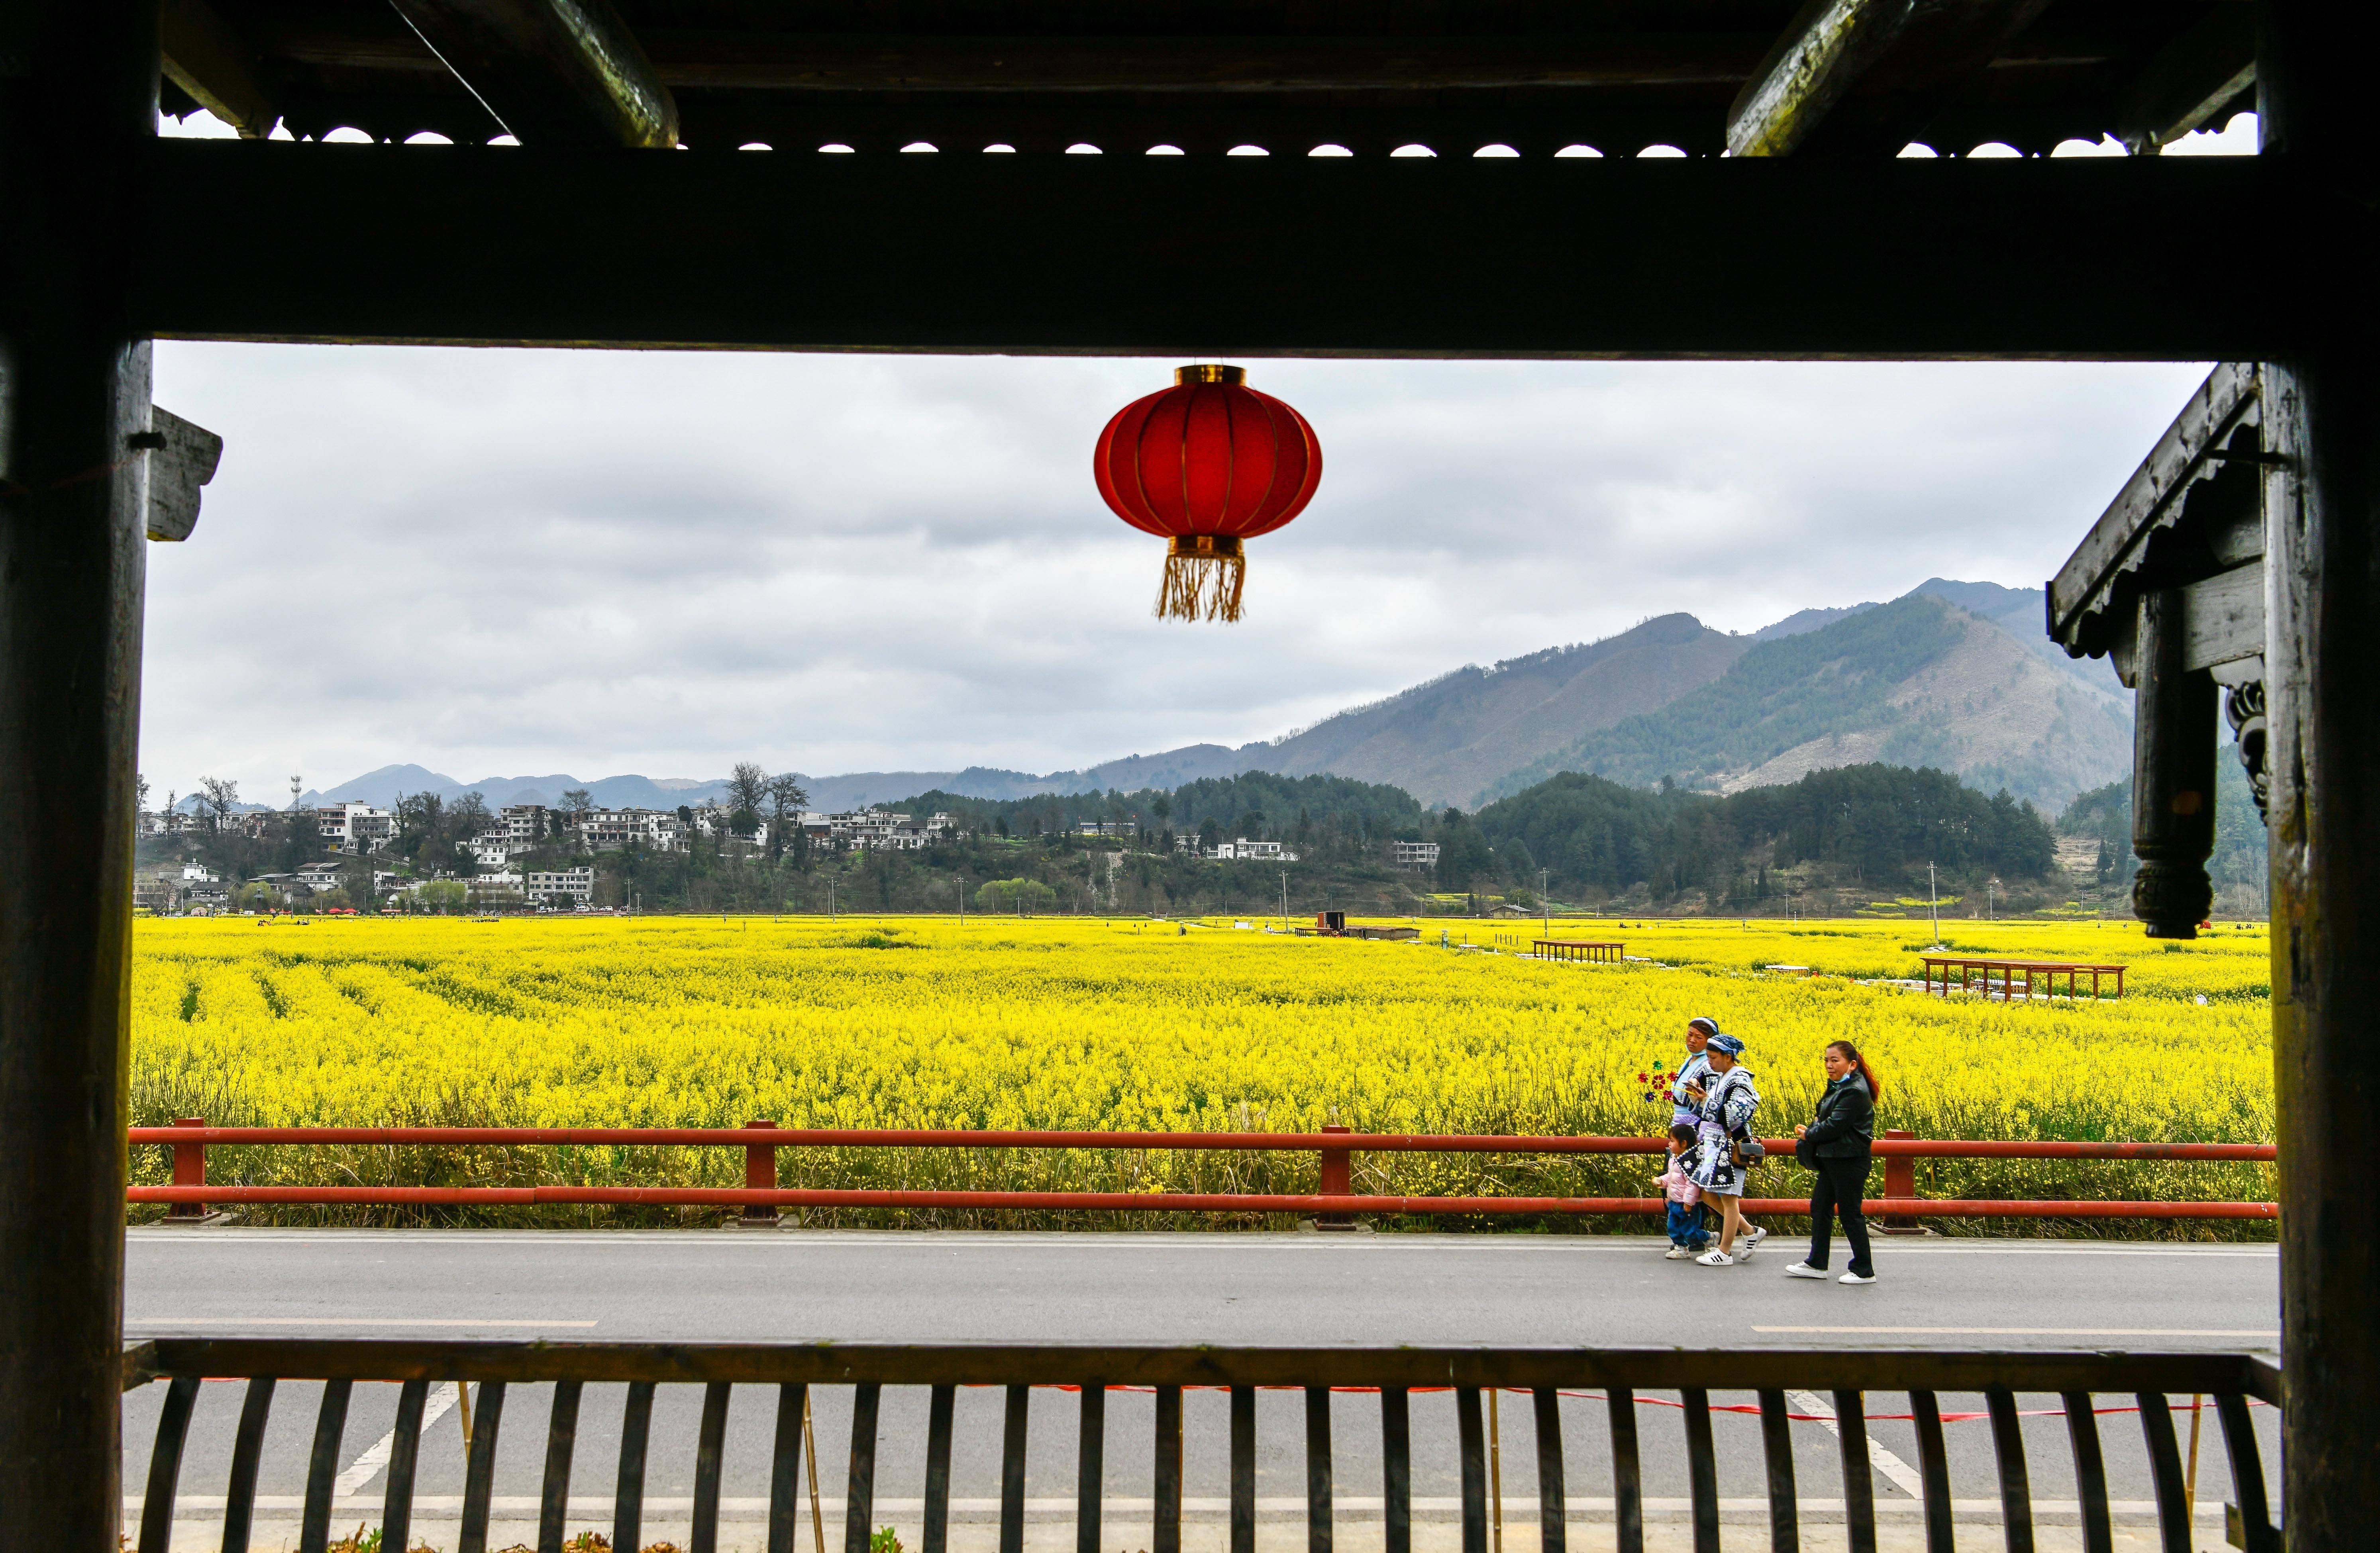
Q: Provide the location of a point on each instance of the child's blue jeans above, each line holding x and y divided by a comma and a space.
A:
1686, 1225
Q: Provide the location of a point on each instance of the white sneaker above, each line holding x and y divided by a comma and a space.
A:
1857, 1278
1804, 1269
1676, 1253
1758, 1234
1716, 1259
1749, 1244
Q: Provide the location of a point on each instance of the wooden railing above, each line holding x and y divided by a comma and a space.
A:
192, 1194
2148, 1382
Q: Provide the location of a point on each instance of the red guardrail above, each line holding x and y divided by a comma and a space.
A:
760, 1196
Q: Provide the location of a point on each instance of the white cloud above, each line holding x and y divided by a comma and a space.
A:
506, 561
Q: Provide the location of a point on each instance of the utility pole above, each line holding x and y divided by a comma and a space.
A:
1284, 897
1545, 901
1934, 900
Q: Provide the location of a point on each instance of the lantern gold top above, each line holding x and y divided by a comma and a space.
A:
1209, 373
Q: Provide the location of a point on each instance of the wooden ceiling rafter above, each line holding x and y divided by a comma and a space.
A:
564, 73
1864, 76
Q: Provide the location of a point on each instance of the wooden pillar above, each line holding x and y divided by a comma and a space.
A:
78, 113
2323, 663
2173, 775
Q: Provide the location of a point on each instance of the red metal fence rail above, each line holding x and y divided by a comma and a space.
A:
760, 1197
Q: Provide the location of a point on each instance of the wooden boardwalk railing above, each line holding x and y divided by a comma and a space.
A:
2147, 1381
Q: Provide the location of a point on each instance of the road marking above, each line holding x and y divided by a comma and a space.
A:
2037, 1332
375, 1455
329, 1321
1822, 1413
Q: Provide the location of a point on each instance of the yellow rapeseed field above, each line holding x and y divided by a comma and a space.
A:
1081, 1023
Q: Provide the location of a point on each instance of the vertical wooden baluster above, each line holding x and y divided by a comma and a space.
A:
628, 1495
1396, 1472
2016, 1487
1777, 1445
1090, 1466
246, 1452
1553, 1501
1702, 1470
404, 1451
859, 1499
1859, 1472
1473, 1439
1166, 1531
479, 1473
1934, 1468
2165, 1471
1318, 1469
710, 1448
166, 1463
2090, 1473
784, 1469
323, 1465
1244, 1469
939, 1411
561, 1446
2247, 1472
1627, 1474
1012, 1470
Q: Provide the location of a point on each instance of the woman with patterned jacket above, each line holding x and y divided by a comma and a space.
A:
1726, 1101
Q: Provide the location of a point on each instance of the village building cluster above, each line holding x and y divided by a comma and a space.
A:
356, 831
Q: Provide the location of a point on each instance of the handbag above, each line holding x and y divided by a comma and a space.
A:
1805, 1153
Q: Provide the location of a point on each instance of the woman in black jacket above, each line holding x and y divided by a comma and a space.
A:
1836, 1145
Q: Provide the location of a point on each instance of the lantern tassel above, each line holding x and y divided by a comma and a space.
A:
1203, 576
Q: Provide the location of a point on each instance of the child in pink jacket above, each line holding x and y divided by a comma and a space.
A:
1687, 1234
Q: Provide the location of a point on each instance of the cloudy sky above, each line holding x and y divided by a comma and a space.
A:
499, 563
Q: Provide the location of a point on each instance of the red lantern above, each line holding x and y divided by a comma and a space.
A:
1206, 464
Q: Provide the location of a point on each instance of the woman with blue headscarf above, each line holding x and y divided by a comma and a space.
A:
1725, 1101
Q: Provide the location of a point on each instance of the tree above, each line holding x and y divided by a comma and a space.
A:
471, 816
747, 788
1161, 806
785, 799
1006, 894
1463, 852
139, 793
222, 797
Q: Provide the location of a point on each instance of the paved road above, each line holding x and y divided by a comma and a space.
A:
805, 1286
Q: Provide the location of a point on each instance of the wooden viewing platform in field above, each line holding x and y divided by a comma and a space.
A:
1967, 965
1598, 950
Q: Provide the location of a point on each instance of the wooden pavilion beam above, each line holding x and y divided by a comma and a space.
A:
206, 58
2190, 80
553, 72
1259, 256
1864, 75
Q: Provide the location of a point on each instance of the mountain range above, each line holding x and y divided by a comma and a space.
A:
1953, 674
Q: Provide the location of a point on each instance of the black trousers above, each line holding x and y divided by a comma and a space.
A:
1842, 1184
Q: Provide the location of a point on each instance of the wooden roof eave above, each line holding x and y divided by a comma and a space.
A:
2084, 598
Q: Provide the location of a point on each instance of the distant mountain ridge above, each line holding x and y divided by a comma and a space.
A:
1956, 674
1917, 682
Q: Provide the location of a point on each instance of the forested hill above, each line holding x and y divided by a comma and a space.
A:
1876, 826
1257, 805
1917, 682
